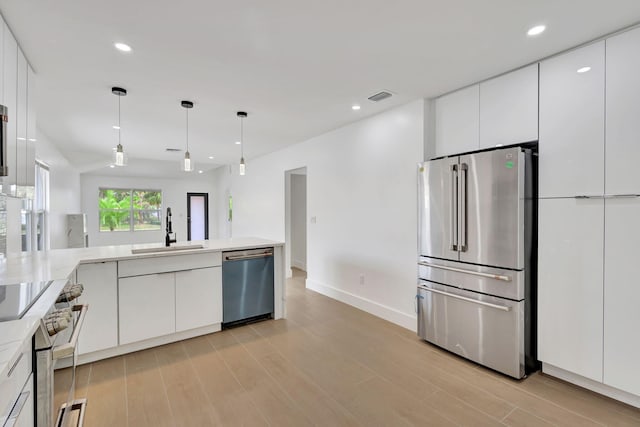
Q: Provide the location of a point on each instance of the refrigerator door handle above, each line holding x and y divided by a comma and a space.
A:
454, 208
461, 270
460, 297
463, 207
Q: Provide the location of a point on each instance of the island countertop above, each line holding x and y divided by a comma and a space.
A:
60, 263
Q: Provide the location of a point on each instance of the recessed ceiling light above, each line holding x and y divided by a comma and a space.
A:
21, 139
238, 142
534, 31
123, 47
355, 107
200, 171
116, 127
32, 139
210, 157
112, 166
584, 69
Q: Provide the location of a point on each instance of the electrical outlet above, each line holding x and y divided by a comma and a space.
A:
362, 279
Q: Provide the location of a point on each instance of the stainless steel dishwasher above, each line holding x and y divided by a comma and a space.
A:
247, 286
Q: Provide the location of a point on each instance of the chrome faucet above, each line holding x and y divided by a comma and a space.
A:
168, 240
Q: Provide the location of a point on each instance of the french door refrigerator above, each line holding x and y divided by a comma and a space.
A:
476, 292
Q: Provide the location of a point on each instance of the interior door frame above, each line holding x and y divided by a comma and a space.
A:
206, 214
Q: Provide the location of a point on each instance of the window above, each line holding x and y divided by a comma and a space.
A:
41, 209
129, 210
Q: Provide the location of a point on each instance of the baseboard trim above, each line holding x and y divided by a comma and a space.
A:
614, 393
141, 345
371, 307
299, 264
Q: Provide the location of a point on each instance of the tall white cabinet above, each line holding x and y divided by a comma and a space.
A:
589, 214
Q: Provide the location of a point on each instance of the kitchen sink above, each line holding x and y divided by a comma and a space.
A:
166, 249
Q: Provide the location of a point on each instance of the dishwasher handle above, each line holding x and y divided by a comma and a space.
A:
252, 256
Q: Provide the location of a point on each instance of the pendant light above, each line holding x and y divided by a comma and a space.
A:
119, 158
187, 163
242, 116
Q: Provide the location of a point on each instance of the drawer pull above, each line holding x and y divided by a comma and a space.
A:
15, 364
460, 270
475, 301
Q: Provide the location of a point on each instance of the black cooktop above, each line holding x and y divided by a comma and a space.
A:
17, 298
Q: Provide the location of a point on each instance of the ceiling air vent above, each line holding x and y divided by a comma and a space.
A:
377, 97
173, 150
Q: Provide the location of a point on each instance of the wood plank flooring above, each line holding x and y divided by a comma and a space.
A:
327, 364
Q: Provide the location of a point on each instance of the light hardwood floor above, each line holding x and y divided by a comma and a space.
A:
326, 364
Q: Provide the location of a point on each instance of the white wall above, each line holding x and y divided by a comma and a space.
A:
64, 189
361, 188
299, 221
174, 195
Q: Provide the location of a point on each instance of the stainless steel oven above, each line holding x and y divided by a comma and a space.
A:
55, 345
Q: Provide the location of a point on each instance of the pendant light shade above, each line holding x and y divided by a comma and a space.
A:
242, 115
119, 157
187, 164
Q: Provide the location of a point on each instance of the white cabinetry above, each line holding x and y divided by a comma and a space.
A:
509, 108
457, 121
621, 295
100, 328
572, 123
20, 117
623, 113
198, 298
9, 82
31, 127
147, 307
570, 301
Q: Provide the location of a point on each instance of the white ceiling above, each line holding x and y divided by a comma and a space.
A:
295, 66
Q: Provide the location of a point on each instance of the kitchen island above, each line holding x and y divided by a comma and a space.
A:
138, 297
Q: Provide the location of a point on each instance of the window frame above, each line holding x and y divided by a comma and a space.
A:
131, 209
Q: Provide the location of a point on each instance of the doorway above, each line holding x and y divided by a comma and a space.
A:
296, 219
197, 216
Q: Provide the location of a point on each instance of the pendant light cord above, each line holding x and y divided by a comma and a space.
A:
242, 137
187, 129
119, 124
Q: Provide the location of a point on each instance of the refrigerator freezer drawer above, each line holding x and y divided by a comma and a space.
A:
488, 280
484, 329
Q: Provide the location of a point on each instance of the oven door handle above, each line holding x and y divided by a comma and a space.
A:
67, 349
460, 297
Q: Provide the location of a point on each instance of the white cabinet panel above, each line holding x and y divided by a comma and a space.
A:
198, 298
2, 26
9, 79
31, 126
21, 120
147, 307
168, 263
623, 114
458, 121
509, 108
572, 123
100, 329
570, 285
622, 295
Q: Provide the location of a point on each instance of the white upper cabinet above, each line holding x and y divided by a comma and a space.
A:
623, 114
572, 104
9, 80
621, 295
509, 108
21, 120
458, 121
570, 285
31, 126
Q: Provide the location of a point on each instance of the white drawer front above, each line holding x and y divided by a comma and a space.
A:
165, 264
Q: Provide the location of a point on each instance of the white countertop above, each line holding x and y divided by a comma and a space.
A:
59, 264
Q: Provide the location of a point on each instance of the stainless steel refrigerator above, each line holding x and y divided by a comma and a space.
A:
476, 290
